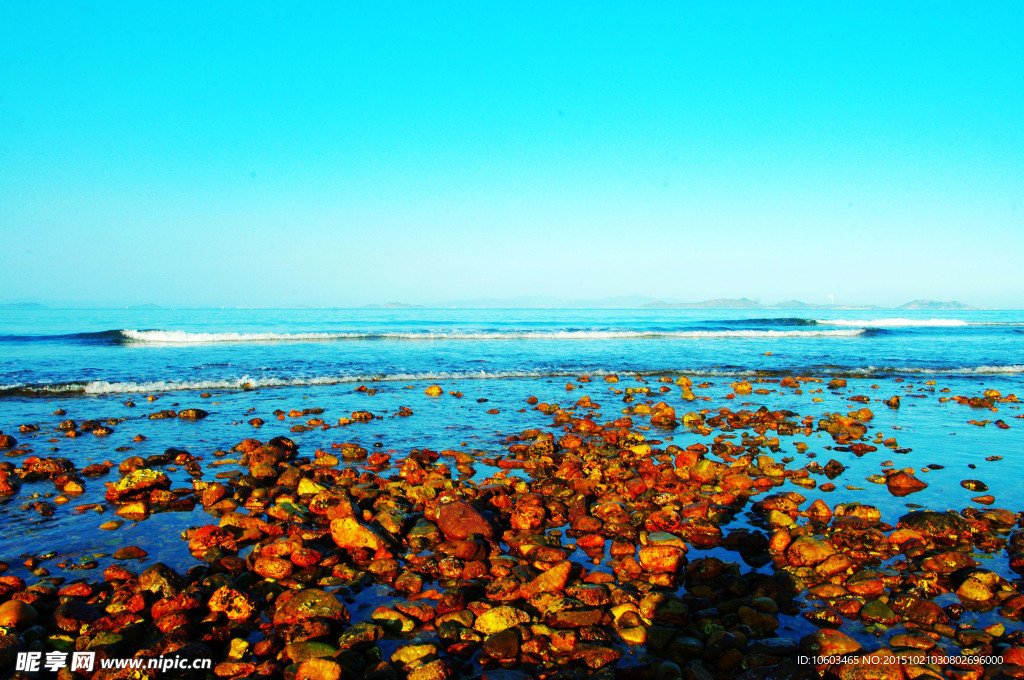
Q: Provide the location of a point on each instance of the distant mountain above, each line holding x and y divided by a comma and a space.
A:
936, 305
23, 305
548, 302
794, 304
717, 303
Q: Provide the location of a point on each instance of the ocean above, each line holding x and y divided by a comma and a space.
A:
99, 352
289, 366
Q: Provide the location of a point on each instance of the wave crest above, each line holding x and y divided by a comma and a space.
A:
195, 338
246, 382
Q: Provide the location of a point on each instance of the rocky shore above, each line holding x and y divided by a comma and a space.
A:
638, 534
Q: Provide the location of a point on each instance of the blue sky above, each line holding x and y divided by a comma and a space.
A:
295, 153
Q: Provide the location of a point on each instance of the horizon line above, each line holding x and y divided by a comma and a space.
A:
377, 307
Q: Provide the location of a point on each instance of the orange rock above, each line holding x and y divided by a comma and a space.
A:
348, 533
459, 520
742, 387
901, 536
779, 541
17, 613
318, 669
828, 642
527, 518
662, 559
807, 551
237, 606
273, 567
903, 483
551, 581
819, 511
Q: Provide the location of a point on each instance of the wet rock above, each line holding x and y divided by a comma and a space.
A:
903, 483
209, 537
877, 611
192, 414
304, 650
743, 387
136, 483
161, 579
439, 669
806, 551
348, 533
500, 618
759, 621
979, 587
662, 559
949, 562
10, 645
819, 511
319, 669
918, 610
130, 552
945, 525
870, 666
273, 567
459, 520
551, 581
827, 642
73, 614
503, 646
17, 614
310, 604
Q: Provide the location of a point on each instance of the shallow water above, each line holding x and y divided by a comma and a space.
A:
89, 377
105, 351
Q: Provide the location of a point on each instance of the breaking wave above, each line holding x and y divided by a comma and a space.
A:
100, 387
246, 382
189, 338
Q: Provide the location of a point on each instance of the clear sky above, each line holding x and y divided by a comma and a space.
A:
258, 153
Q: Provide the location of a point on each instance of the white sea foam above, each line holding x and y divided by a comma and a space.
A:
967, 371
101, 387
963, 370
190, 338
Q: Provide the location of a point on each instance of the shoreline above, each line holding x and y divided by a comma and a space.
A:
607, 532
206, 387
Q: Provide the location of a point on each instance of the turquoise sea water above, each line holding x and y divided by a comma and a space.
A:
110, 351
237, 364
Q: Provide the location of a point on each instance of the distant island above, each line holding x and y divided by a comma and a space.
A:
935, 305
